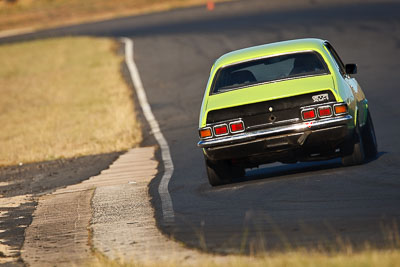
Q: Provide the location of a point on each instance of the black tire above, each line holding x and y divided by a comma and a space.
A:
358, 155
222, 172
369, 139
217, 172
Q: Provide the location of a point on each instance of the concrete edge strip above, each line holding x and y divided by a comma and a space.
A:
166, 202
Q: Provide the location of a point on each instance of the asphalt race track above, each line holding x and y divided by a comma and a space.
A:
317, 204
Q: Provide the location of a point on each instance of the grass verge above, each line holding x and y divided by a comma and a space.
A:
63, 98
38, 14
386, 258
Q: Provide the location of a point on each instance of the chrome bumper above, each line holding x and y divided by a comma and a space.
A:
298, 127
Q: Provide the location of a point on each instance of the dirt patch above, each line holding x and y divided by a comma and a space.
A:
20, 187
39, 178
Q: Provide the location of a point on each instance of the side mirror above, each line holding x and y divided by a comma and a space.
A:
351, 68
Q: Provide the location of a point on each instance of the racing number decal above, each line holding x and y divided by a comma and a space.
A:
320, 98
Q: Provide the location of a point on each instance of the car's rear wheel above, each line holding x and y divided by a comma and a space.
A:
222, 172
358, 155
369, 138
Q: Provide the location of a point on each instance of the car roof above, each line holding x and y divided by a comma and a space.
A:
268, 50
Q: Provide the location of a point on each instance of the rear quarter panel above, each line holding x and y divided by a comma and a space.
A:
349, 91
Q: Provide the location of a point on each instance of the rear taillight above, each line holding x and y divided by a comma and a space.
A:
325, 111
205, 132
340, 109
308, 114
236, 127
221, 129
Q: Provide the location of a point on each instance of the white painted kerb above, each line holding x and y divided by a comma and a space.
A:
166, 202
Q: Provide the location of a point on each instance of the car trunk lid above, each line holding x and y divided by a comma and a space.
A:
270, 104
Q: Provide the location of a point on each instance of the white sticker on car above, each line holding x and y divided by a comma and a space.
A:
320, 98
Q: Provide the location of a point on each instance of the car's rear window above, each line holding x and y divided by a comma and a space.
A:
267, 70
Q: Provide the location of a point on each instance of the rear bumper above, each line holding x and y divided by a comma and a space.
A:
295, 141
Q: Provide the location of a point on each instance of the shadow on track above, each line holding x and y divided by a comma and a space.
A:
279, 170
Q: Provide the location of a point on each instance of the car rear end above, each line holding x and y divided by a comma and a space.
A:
281, 107
287, 129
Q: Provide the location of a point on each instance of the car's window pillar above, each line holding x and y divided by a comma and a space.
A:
336, 57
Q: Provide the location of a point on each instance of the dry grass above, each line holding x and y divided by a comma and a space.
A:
387, 258
340, 255
46, 13
62, 98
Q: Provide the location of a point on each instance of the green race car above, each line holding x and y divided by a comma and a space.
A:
287, 101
